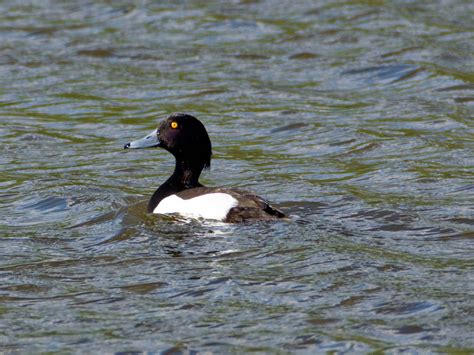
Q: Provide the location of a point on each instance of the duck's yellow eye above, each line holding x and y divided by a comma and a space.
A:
174, 124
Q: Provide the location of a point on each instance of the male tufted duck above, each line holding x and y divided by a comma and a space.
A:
186, 138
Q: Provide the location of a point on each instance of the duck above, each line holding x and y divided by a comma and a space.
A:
186, 138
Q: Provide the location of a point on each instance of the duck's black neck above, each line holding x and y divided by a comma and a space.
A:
185, 176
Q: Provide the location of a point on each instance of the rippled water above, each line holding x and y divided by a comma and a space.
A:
355, 117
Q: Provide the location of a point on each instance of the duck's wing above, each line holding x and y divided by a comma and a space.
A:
252, 207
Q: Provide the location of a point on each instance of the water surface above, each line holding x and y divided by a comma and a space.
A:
355, 117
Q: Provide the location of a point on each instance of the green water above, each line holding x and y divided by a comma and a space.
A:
354, 117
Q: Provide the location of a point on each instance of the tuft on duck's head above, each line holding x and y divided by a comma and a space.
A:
182, 135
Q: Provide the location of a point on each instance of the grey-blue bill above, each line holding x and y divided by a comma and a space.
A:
150, 140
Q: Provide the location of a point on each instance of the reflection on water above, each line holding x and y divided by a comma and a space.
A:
354, 117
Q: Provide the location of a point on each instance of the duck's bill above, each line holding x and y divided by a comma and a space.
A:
148, 141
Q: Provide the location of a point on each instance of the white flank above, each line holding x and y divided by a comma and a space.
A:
209, 206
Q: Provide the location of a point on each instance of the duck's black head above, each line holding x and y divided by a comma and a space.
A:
182, 135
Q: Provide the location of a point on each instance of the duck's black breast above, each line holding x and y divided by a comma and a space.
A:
249, 207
